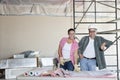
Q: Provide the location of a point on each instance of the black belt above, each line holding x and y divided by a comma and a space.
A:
90, 58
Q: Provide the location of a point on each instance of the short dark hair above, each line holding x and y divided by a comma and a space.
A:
71, 29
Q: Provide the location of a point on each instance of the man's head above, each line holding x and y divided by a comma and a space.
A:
71, 33
92, 31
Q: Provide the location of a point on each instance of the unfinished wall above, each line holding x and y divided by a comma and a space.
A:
39, 33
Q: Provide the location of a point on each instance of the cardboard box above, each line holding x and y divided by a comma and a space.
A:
13, 73
18, 63
47, 61
3, 64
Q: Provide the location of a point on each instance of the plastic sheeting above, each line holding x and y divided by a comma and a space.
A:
37, 7
33, 1
55, 7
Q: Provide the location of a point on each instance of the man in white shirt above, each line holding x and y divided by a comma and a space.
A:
91, 50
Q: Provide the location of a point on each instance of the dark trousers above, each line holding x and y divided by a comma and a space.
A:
67, 66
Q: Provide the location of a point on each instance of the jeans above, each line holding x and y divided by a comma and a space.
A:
67, 66
87, 64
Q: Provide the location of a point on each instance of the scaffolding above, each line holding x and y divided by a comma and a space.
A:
94, 12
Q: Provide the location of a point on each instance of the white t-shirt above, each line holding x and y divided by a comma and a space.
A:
66, 50
90, 50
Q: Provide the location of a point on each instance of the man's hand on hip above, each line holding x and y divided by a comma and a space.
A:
103, 47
